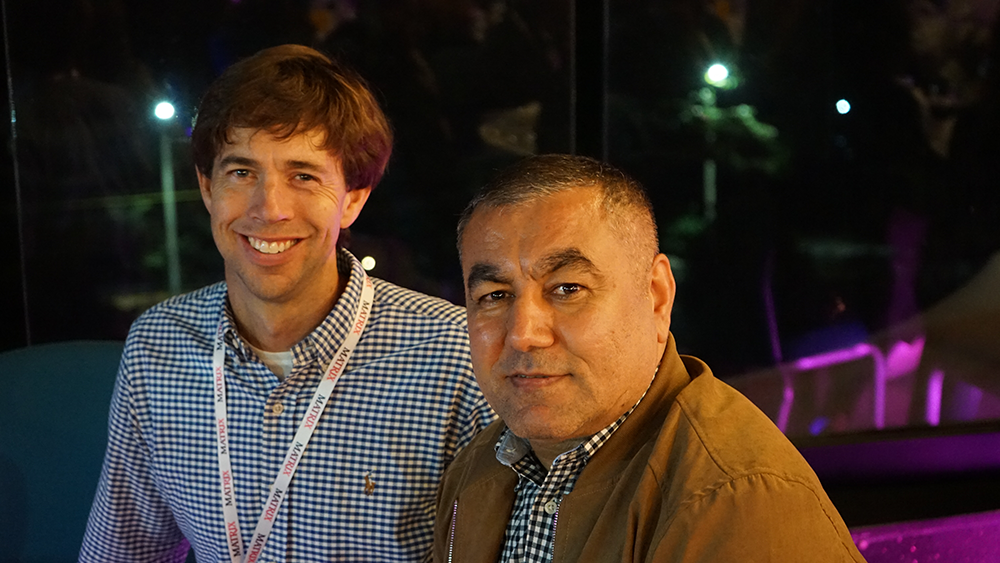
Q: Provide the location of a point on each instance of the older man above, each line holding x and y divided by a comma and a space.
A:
300, 411
612, 446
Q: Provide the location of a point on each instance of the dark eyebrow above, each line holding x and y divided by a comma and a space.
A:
567, 258
481, 272
304, 164
236, 160
246, 161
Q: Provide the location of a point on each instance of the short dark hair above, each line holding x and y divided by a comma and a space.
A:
293, 89
624, 201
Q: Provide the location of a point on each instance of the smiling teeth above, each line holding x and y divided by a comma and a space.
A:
271, 247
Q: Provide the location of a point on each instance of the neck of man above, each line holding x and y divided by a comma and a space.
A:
547, 451
278, 326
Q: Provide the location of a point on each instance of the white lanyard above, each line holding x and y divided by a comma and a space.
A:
299, 443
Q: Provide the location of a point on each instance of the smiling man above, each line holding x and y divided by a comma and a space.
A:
299, 411
612, 447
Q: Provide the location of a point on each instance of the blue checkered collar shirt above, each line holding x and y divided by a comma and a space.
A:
365, 489
316, 350
531, 531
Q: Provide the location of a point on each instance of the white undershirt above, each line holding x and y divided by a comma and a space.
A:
280, 363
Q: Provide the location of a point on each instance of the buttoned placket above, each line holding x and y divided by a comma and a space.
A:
275, 433
293, 394
548, 494
565, 469
549, 487
279, 425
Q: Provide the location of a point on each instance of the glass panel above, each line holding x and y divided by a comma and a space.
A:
827, 196
469, 87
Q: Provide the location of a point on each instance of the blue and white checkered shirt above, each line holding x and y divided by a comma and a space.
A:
366, 486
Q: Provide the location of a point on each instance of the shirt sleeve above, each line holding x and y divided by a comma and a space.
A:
129, 520
755, 518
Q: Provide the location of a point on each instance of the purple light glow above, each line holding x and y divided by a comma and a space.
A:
969, 537
843, 355
934, 388
827, 359
787, 398
904, 357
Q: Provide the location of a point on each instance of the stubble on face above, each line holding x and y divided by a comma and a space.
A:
590, 320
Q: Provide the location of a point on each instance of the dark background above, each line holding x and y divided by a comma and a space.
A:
846, 224
829, 229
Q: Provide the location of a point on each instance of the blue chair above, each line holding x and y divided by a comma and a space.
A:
54, 402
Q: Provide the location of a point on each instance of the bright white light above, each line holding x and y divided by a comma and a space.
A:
368, 263
716, 74
164, 110
843, 106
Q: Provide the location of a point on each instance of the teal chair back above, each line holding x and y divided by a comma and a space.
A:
54, 402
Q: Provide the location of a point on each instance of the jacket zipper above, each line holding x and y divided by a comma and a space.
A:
555, 521
451, 539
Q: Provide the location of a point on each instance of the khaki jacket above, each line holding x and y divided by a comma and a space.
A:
695, 474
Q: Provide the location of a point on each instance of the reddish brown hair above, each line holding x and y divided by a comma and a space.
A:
293, 89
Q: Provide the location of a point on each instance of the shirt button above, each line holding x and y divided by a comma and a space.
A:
550, 507
278, 408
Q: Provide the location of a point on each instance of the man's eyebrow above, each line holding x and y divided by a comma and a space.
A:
567, 258
233, 159
304, 164
482, 272
237, 160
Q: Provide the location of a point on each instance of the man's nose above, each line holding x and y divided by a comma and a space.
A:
270, 201
529, 324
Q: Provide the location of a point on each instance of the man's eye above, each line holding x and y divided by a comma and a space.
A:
566, 289
304, 177
240, 173
493, 296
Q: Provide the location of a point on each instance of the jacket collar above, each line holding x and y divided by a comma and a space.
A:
488, 486
645, 421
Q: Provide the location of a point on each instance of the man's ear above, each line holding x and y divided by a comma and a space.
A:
354, 201
662, 289
205, 187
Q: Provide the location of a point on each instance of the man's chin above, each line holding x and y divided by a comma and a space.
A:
261, 287
540, 429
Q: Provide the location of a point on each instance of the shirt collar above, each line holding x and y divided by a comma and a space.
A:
324, 340
511, 449
330, 334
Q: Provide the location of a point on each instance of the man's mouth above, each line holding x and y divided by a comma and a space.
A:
274, 247
533, 376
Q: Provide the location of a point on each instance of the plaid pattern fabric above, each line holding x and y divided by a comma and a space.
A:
366, 486
531, 531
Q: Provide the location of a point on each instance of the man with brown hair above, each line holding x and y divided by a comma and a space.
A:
299, 411
612, 446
